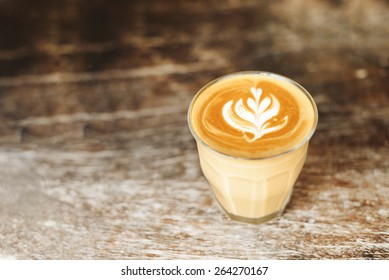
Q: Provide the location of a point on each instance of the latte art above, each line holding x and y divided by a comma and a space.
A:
252, 115
256, 118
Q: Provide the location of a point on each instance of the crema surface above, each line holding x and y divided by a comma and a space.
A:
252, 115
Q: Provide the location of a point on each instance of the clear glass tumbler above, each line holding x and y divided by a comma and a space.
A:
253, 190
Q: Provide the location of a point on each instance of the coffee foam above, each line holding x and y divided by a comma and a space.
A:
252, 115
256, 117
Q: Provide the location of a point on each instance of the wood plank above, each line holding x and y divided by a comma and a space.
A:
97, 161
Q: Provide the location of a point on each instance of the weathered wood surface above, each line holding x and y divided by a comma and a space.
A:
97, 162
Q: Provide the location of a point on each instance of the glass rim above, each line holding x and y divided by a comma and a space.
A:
261, 73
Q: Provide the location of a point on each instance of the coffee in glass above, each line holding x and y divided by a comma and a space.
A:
252, 131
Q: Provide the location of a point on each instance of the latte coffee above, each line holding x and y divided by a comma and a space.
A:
252, 131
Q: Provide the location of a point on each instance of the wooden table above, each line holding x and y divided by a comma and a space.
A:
96, 159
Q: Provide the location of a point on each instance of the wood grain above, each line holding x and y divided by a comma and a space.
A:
97, 162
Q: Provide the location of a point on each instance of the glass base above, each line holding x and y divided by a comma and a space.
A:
255, 221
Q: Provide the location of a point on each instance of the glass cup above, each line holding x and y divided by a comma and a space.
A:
252, 190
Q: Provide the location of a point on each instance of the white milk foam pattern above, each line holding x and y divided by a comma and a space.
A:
257, 118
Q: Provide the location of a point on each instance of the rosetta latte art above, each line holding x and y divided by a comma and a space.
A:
255, 118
